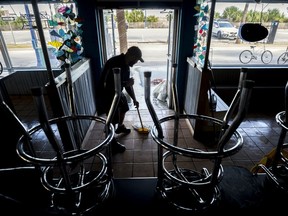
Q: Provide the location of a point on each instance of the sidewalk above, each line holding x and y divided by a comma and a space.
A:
138, 74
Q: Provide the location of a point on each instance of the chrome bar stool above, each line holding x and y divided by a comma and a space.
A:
185, 187
277, 171
79, 179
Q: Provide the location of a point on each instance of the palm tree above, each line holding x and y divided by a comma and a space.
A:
243, 20
122, 30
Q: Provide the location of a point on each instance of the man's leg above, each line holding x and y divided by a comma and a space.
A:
123, 108
121, 117
116, 147
121, 127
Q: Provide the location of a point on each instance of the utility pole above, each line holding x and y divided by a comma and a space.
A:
169, 43
33, 36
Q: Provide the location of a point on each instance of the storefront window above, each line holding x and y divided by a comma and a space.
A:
228, 49
20, 36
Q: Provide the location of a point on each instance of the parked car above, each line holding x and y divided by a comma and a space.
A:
224, 29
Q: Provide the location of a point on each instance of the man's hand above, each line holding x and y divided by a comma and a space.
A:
136, 104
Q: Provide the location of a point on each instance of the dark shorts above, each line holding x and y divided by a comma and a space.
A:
123, 107
123, 104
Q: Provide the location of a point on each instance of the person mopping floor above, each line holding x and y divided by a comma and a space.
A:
118, 65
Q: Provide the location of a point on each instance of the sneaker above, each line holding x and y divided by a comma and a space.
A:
122, 129
117, 147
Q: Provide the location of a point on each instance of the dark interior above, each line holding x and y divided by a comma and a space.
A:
238, 190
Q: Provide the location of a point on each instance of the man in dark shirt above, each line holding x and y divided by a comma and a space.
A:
107, 92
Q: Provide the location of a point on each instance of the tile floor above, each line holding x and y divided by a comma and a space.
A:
259, 130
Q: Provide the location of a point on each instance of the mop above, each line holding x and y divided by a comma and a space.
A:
141, 129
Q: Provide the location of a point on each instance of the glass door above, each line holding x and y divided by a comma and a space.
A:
152, 30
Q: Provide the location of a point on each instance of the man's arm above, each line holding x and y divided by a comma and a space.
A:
130, 91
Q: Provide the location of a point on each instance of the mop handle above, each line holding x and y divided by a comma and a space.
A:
132, 92
139, 117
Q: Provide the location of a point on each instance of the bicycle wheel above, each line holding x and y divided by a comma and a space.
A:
245, 56
266, 57
1, 68
283, 58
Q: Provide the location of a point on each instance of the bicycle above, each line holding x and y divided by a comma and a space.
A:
283, 58
247, 56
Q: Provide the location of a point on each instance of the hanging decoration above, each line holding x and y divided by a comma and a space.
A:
200, 39
66, 34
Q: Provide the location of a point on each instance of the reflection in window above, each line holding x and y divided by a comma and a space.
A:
21, 37
226, 51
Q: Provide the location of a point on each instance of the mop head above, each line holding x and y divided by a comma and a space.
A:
140, 129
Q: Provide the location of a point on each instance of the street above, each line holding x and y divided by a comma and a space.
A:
153, 43
134, 35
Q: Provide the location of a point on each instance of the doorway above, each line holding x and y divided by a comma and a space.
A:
154, 32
